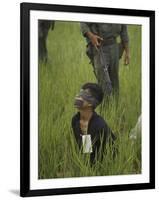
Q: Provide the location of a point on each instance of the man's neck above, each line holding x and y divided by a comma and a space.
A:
86, 115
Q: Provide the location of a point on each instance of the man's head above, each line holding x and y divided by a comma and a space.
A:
90, 96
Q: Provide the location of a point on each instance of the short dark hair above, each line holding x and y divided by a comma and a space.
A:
95, 90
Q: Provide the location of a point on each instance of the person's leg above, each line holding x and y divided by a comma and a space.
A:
114, 69
42, 49
100, 64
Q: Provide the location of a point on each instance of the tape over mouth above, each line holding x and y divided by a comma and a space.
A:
87, 96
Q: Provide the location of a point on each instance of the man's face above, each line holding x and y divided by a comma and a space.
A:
82, 99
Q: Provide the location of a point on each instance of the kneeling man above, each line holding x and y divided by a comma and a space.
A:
91, 131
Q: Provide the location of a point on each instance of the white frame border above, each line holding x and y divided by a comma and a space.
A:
35, 183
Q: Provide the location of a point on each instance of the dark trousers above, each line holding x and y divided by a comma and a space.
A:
111, 59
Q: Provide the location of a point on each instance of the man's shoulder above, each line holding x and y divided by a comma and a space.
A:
75, 118
99, 121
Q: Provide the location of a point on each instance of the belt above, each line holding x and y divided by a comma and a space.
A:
109, 41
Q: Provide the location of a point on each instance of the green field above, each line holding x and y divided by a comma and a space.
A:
59, 81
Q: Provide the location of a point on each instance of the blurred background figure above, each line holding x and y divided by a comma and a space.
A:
136, 131
43, 29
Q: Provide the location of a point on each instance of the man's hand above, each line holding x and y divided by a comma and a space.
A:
126, 55
95, 39
127, 58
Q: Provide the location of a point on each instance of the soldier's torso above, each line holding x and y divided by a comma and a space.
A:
106, 30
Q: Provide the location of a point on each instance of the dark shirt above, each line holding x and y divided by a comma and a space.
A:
99, 131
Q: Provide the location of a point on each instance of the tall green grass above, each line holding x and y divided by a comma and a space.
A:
59, 80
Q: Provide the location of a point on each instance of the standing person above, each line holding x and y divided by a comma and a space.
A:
91, 131
43, 30
104, 52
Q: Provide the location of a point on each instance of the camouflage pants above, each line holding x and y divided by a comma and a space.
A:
111, 59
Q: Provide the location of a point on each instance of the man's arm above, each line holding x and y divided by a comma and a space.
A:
103, 135
85, 27
74, 127
94, 38
125, 42
106, 136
